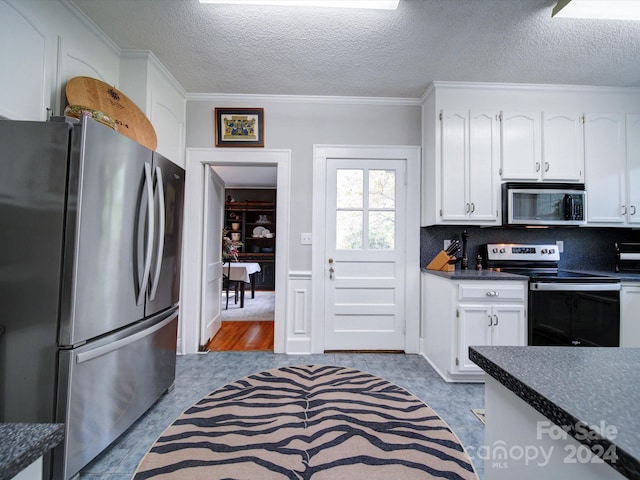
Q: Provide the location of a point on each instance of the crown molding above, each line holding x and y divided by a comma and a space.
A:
255, 98
539, 87
87, 22
148, 55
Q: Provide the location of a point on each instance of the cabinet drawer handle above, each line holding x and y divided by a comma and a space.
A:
490, 321
468, 208
473, 207
496, 322
537, 166
633, 209
546, 166
492, 293
624, 209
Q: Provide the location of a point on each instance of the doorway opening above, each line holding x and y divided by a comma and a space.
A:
248, 295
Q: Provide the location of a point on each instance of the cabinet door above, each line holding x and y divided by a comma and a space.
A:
520, 145
508, 325
629, 308
484, 181
605, 167
562, 147
453, 167
633, 168
474, 328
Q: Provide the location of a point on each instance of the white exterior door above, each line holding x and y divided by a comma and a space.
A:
365, 280
211, 315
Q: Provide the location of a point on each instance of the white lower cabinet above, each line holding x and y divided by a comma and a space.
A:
487, 325
630, 315
457, 314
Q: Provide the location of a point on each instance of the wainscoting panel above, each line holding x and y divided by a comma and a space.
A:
299, 313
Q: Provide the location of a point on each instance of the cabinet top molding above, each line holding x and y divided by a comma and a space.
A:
527, 86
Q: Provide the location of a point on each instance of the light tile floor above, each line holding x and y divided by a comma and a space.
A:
198, 375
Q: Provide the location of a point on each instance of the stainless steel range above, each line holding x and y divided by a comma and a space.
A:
565, 307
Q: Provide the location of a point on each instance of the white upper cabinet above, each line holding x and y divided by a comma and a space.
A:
540, 134
633, 169
469, 181
542, 146
605, 167
520, 146
562, 147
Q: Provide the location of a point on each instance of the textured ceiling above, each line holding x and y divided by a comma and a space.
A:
372, 53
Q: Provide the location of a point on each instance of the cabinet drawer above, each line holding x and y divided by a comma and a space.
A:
491, 292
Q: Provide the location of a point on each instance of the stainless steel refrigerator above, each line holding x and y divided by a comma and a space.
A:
90, 241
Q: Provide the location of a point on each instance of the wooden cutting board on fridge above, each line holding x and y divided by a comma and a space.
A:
107, 104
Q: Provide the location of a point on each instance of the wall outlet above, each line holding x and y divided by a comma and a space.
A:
446, 244
560, 245
305, 239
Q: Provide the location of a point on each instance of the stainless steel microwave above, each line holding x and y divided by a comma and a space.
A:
544, 204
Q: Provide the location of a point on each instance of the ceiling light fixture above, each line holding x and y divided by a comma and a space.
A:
602, 9
375, 4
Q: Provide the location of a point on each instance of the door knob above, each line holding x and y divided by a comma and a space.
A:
331, 260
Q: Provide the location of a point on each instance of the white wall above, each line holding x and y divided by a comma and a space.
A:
297, 123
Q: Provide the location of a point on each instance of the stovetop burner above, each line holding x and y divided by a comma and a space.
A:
538, 262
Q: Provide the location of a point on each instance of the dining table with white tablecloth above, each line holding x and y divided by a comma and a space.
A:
242, 272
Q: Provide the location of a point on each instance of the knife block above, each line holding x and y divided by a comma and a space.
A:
441, 262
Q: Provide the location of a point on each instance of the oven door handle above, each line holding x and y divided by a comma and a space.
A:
574, 287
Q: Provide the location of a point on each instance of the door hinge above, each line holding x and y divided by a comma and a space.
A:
440, 212
582, 119
500, 171
457, 362
457, 313
500, 116
440, 115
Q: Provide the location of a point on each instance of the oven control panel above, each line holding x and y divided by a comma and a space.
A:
523, 252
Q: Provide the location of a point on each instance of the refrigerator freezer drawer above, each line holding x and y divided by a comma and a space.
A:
105, 386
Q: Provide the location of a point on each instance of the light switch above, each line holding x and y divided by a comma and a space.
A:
560, 245
305, 239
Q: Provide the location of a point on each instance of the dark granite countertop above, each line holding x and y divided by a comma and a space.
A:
460, 274
21, 444
576, 386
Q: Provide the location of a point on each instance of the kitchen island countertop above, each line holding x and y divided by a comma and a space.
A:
23, 443
571, 386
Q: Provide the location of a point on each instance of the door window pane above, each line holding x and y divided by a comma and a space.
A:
382, 230
350, 188
382, 189
349, 230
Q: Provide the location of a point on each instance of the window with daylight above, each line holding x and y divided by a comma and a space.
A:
365, 209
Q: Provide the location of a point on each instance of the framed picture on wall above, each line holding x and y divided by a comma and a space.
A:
239, 127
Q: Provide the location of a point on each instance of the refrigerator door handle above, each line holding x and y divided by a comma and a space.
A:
160, 249
112, 347
150, 229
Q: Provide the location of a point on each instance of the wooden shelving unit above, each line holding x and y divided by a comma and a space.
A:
254, 210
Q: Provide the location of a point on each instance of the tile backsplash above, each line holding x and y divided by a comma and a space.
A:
585, 248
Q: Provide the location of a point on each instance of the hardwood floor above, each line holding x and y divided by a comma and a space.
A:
243, 336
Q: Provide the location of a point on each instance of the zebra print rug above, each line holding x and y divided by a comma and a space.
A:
308, 422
